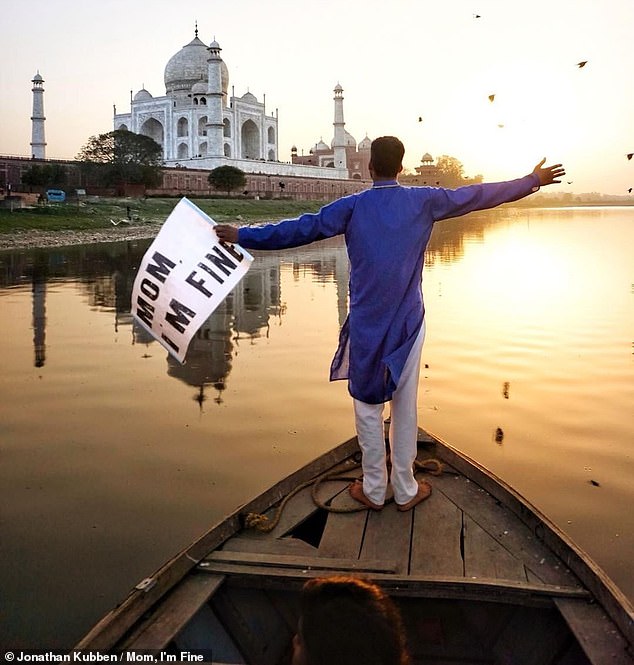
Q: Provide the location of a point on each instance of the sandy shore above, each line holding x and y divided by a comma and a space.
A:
35, 239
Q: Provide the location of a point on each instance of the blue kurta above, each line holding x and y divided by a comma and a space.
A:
387, 229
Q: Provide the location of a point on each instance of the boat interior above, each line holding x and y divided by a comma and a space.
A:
476, 582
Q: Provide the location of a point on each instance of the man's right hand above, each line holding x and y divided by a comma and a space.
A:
226, 232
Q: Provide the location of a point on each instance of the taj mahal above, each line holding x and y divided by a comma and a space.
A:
199, 125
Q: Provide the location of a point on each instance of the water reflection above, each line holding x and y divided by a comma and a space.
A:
114, 457
105, 274
39, 278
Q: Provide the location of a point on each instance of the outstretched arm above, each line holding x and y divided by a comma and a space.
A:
448, 203
549, 174
331, 220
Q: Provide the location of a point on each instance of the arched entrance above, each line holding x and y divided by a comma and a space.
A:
182, 127
250, 140
154, 129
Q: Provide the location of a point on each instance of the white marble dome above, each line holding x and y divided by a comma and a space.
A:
189, 66
365, 144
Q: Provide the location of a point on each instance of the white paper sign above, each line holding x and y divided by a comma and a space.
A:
185, 274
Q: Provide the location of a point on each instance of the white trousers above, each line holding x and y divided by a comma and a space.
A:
403, 435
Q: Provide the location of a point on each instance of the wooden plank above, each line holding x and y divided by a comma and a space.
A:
505, 528
343, 533
598, 636
388, 536
174, 613
287, 604
265, 545
417, 586
304, 563
205, 636
485, 557
579, 563
438, 632
531, 638
254, 624
436, 538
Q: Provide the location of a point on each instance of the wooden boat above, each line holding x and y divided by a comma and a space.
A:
480, 575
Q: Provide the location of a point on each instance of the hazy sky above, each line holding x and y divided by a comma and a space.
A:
397, 61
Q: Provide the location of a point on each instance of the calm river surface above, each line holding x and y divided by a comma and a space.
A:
113, 457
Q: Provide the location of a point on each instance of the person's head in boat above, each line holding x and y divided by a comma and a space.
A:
386, 158
346, 620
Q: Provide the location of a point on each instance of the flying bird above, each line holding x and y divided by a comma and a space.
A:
581, 64
630, 190
477, 16
491, 98
630, 155
420, 119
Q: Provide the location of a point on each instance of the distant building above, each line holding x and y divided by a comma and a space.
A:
427, 174
199, 125
38, 142
343, 151
428, 171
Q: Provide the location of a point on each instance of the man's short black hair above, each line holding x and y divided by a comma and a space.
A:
386, 156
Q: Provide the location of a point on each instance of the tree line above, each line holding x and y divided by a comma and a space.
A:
118, 158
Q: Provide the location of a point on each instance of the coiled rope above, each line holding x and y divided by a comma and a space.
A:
262, 523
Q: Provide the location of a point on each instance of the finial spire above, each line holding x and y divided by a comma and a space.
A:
196, 29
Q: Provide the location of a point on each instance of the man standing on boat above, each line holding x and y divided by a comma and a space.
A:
386, 229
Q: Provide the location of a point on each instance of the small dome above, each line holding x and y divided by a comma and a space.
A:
200, 88
293, 148
215, 45
365, 143
142, 96
348, 140
250, 97
427, 158
38, 78
338, 88
321, 146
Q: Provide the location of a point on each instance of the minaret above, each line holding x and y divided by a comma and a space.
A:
339, 141
39, 279
215, 127
38, 144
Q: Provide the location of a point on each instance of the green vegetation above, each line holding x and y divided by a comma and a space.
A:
96, 213
47, 175
122, 157
227, 178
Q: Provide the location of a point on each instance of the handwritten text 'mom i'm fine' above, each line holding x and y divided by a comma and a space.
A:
216, 265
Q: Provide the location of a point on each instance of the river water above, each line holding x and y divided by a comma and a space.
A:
113, 457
